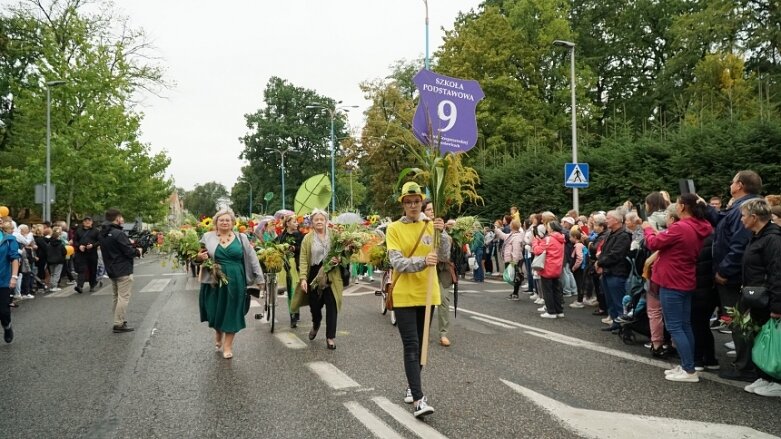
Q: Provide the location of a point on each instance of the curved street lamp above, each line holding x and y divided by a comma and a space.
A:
332, 111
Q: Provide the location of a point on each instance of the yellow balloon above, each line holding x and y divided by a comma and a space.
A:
69, 250
4, 211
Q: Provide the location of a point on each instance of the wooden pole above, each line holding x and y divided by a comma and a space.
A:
427, 324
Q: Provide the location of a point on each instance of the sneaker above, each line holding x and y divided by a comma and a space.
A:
730, 345
676, 369
591, 302
408, 396
577, 305
545, 315
738, 375
683, 377
607, 320
422, 408
725, 331
123, 328
648, 345
71, 282
539, 301
770, 390
541, 309
513, 297
77, 289
28, 296
8, 333
732, 353
625, 319
534, 297
560, 315
599, 312
751, 388
55, 289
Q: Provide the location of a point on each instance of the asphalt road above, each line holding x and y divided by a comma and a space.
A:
508, 374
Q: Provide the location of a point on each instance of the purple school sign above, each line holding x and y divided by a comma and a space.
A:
448, 105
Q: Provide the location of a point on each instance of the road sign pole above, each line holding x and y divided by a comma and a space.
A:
575, 198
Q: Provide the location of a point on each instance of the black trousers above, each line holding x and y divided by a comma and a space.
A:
596, 280
704, 348
87, 268
5, 306
579, 282
553, 295
316, 302
410, 322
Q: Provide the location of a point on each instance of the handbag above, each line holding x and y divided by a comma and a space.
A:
472, 263
538, 263
766, 353
389, 287
755, 297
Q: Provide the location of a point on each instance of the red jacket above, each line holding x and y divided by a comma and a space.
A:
679, 247
554, 258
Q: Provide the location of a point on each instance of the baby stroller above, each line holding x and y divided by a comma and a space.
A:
635, 317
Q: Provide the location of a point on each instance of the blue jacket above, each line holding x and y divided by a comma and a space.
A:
9, 252
729, 240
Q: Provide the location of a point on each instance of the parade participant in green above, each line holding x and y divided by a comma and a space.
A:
291, 235
223, 300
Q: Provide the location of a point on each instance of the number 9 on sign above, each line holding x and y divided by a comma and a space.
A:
447, 112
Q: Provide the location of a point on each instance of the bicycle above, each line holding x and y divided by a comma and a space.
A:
385, 285
269, 301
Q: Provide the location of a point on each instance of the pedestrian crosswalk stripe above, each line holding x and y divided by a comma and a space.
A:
331, 375
155, 286
192, 284
376, 425
406, 419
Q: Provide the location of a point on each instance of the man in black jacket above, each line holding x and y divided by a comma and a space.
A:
614, 266
729, 242
118, 256
85, 242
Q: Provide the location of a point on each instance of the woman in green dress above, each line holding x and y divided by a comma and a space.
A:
223, 304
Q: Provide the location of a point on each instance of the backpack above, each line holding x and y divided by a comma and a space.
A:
584, 264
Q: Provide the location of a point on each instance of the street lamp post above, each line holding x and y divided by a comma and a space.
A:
250, 200
282, 153
47, 201
332, 111
425, 60
571, 47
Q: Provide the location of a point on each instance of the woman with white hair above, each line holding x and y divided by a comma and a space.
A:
223, 304
314, 249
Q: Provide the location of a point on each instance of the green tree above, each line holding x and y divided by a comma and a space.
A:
282, 123
203, 199
97, 159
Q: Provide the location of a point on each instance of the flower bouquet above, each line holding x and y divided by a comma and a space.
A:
182, 246
464, 229
218, 276
274, 257
346, 240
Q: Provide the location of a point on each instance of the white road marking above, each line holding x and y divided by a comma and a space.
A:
331, 375
576, 342
379, 428
364, 293
501, 325
599, 424
155, 286
143, 275
192, 284
174, 274
290, 340
405, 418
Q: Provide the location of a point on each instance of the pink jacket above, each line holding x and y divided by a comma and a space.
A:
512, 249
553, 244
679, 247
577, 256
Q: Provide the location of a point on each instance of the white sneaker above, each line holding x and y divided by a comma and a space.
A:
422, 408
545, 315
55, 289
771, 390
534, 297
539, 301
591, 302
577, 305
541, 309
683, 377
408, 396
732, 354
730, 345
676, 369
607, 320
751, 388
28, 296
560, 315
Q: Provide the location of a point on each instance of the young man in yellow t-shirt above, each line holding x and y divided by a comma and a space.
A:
412, 271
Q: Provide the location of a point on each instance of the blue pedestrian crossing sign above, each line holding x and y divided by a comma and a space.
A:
576, 175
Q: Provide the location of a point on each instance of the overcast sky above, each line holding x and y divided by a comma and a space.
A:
220, 56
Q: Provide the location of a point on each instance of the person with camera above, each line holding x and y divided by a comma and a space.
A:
118, 256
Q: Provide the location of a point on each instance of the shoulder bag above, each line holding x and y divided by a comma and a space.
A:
538, 263
396, 275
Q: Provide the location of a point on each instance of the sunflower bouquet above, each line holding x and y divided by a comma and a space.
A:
273, 257
346, 240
